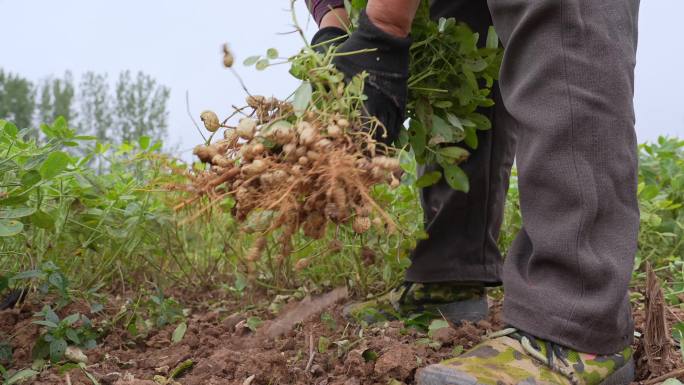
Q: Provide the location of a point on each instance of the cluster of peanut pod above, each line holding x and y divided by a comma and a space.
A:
287, 172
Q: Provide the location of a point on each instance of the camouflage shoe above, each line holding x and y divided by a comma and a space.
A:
511, 357
455, 302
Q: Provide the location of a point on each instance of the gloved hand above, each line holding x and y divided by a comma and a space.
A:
387, 68
332, 35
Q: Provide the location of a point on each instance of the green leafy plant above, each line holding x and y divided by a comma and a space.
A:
253, 323
75, 329
48, 278
156, 311
451, 78
164, 310
61, 219
11, 377
661, 201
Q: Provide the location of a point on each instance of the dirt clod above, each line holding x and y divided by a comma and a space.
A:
398, 362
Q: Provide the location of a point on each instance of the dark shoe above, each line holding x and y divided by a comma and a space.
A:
512, 357
455, 302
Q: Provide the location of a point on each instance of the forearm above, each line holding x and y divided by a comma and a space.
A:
337, 17
392, 16
320, 8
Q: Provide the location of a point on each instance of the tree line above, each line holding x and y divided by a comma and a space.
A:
135, 106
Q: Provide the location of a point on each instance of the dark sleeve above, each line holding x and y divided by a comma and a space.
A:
319, 8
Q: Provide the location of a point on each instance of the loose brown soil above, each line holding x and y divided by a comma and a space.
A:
225, 352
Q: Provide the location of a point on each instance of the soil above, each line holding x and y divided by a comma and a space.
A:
224, 351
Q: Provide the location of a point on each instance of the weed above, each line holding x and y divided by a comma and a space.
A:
75, 329
164, 310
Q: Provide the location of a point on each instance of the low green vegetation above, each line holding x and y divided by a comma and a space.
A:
70, 234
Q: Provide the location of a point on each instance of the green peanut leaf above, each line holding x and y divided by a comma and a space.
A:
21, 376
56, 279
144, 142
72, 335
10, 129
71, 319
30, 179
443, 104
323, 344
20, 212
179, 332
678, 331
471, 138
455, 154
28, 274
50, 315
481, 122
10, 228
43, 220
436, 325
57, 349
457, 178
250, 61
262, 64
429, 179
477, 65
442, 131
272, 53
46, 323
302, 98
253, 323
492, 38
416, 134
55, 163
454, 121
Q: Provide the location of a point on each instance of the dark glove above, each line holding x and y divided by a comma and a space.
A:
330, 35
387, 68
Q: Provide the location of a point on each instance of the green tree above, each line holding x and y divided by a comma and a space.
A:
45, 104
57, 99
140, 107
16, 99
95, 114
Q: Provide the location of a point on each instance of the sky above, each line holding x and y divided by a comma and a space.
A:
179, 43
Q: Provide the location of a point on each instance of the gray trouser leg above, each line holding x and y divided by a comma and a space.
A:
463, 228
567, 81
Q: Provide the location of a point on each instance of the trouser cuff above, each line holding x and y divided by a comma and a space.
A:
541, 323
489, 275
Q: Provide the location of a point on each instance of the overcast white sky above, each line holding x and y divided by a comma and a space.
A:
178, 42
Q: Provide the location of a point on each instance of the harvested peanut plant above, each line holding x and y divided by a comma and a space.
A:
306, 164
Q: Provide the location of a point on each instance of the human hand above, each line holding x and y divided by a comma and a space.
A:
385, 58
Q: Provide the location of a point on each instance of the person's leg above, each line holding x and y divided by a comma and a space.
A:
567, 80
450, 269
463, 228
